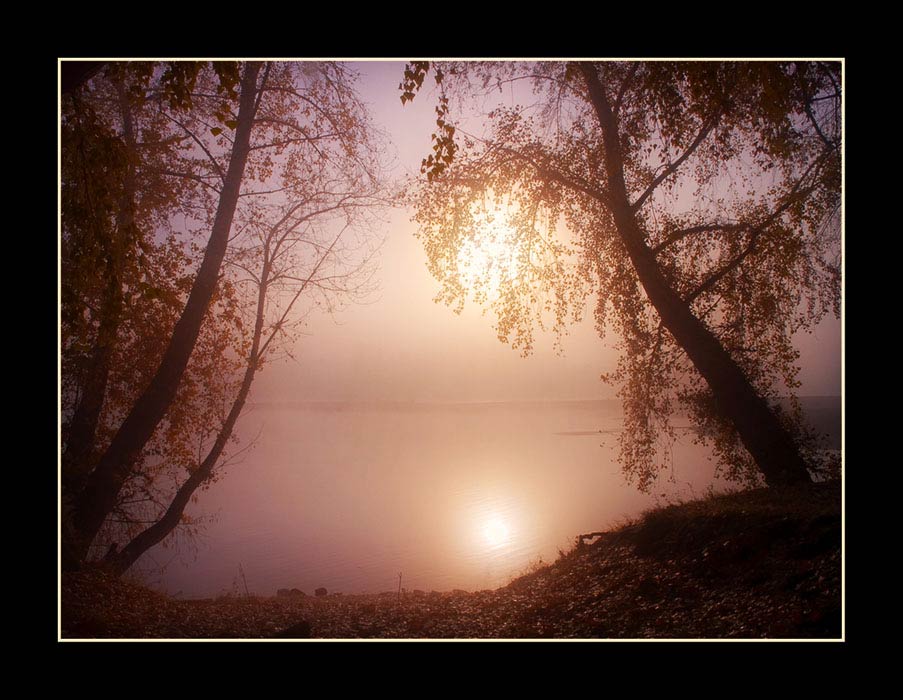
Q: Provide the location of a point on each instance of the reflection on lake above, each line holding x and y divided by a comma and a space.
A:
349, 496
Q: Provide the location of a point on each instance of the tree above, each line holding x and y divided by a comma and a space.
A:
702, 203
121, 257
298, 246
299, 140
97, 497
125, 273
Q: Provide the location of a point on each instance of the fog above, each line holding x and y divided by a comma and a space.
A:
395, 442
403, 346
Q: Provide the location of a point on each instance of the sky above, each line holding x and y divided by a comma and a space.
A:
401, 346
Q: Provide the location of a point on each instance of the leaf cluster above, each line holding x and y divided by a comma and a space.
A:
733, 170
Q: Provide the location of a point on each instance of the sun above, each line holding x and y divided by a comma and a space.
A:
490, 257
496, 531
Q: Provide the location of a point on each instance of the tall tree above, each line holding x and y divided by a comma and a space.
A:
297, 135
112, 260
288, 252
98, 496
702, 201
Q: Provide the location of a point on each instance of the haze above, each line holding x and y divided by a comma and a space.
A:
396, 443
404, 347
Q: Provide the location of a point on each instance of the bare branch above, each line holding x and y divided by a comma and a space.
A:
318, 107
187, 176
262, 192
828, 143
294, 127
252, 274
200, 143
288, 308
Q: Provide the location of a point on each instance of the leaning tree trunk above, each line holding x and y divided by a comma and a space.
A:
102, 488
762, 433
120, 561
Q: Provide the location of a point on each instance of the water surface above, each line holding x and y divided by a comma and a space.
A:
349, 496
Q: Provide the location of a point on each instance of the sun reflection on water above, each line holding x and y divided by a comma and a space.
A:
496, 532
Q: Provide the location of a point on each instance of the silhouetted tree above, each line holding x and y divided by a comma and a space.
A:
299, 247
227, 139
702, 206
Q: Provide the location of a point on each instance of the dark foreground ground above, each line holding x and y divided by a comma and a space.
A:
749, 565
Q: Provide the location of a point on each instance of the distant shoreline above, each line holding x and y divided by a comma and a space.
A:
417, 403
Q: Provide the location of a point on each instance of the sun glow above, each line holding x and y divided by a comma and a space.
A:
489, 258
496, 531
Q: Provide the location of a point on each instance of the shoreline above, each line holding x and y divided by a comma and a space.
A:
749, 565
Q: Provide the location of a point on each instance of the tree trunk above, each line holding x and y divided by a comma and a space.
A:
98, 497
77, 458
120, 561
762, 433
80, 440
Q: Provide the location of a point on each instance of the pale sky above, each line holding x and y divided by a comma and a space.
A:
403, 346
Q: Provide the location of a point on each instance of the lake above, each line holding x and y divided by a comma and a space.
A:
350, 496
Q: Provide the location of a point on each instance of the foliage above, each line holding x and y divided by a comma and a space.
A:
733, 176
444, 146
145, 149
126, 270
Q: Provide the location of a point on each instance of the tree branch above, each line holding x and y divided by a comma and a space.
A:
675, 236
557, 176
707, 127
263, 83
725, 270
828, 144
200, 143
250, 273
261, 192
188, 176
628, 79
304, 285
794, 196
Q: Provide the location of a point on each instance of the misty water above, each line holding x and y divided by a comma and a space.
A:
467, 496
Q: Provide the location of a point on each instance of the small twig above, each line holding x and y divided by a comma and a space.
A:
242, 572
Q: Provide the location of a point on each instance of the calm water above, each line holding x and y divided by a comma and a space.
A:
464, 496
